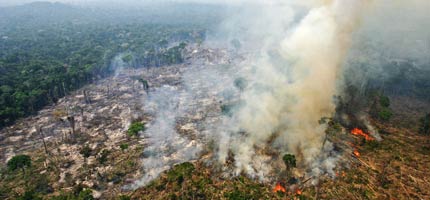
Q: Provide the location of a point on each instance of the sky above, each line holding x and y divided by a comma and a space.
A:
133, 2
86, 2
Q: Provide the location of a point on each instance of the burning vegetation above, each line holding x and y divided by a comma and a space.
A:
279, 188
359, 132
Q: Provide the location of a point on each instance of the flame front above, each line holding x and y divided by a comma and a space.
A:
279, 188
359, 132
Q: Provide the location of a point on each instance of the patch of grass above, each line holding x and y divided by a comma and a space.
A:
79, 193
238, 194
372, 145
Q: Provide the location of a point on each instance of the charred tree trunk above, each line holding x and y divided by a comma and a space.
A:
87, 97
82, 114
39, 129
71, 120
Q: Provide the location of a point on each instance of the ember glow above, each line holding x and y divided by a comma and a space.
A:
299, 192
279, 188
356, 153
359, 132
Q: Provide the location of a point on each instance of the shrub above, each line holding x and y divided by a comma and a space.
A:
123, 146
384, 101
86, 151
103, 156
134, 128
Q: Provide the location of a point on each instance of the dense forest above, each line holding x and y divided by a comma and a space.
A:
46, 51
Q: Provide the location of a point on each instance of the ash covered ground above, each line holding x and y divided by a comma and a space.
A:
180, 109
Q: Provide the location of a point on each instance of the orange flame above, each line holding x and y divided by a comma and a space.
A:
279, 188
359, 132
356, 153
299, 192
343, 174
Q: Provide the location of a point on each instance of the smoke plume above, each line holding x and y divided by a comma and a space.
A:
293, 80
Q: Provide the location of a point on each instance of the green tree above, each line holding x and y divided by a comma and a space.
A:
425, 125
289, 161
19, 162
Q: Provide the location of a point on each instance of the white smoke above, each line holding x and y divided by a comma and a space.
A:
164, 146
